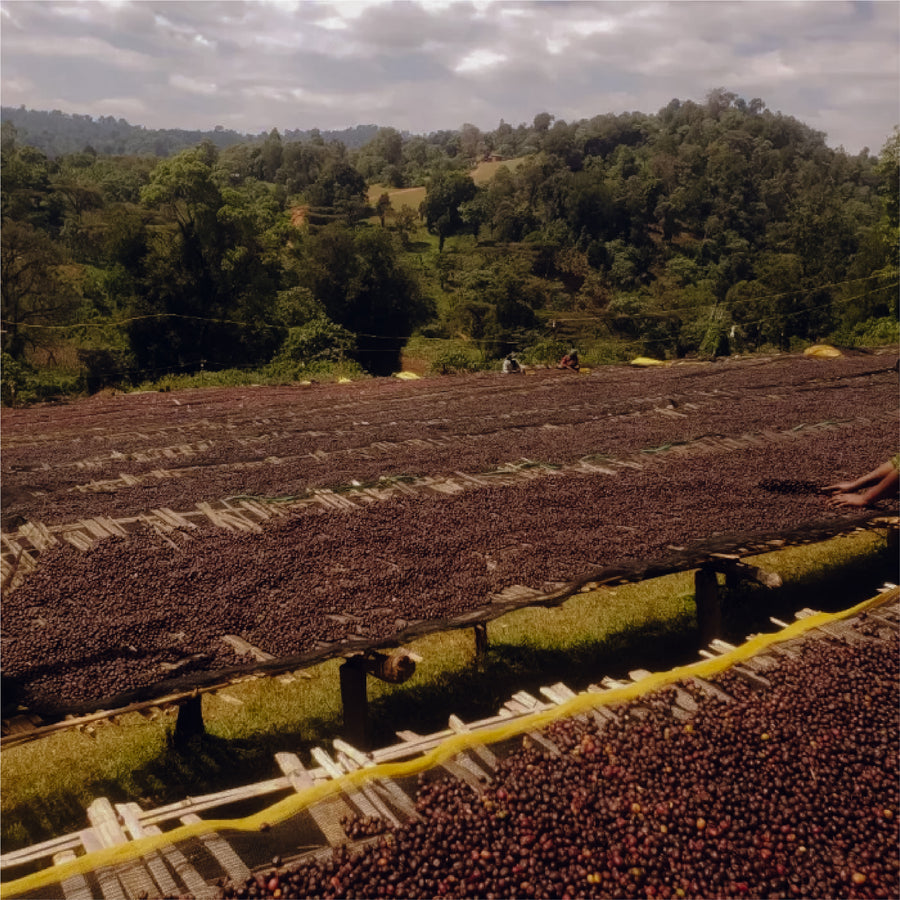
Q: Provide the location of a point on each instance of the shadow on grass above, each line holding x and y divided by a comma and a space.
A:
209, 763
746, 609
478, 692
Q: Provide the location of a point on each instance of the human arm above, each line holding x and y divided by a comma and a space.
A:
874, 477
888, 479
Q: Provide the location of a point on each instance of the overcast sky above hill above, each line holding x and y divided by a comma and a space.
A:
426, 66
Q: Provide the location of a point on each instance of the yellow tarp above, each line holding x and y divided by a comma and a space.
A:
822, 351
645, 361
406, 376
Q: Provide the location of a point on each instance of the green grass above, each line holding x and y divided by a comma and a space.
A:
46, 785
485, 171
411, 197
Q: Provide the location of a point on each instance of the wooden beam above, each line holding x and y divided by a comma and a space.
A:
481, 642
355, 702
709, 608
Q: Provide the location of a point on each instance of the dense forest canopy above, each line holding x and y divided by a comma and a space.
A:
706, 228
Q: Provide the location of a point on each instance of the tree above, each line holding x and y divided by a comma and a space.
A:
383, 207
33, 293
318, 341
542, 121
405, 224
208, 277
440, 209
358, 278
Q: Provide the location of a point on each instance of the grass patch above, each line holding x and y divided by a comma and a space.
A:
485, 171
47, 785
400, 197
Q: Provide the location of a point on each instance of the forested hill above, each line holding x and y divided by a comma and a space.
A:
57, 133
705, 228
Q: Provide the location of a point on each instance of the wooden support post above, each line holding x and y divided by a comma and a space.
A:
893, 539
709, 609
481, 642
355, 702
189, 723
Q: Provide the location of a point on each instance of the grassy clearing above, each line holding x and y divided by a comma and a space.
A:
47, 785
485, 171
400, 197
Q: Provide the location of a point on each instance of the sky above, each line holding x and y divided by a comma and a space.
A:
424, 65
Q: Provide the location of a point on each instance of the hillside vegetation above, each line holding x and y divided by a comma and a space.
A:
703, 229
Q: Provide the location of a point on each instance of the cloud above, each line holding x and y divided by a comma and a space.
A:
192, 85
425, 66
478, 60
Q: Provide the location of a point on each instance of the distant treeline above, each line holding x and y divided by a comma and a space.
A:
704, 228
56, 133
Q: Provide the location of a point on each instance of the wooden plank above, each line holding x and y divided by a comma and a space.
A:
39, 535
130, 814
682, 698
95, 528
257, 509
242, 647
111, 525
106, 876
356, 797
170, 517
41, 851
228, 519
350, 763
78, 540
386, 786
75, 887
480, 750
459, 766
465, 769
711, 690
331, 500
135, 879
222, 851
524, 708
560, 693
327, 813
757, 663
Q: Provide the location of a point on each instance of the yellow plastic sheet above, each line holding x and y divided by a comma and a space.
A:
822, 351
646, 362
294, 804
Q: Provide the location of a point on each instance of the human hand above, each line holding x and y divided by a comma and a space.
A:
851, 500
841, 487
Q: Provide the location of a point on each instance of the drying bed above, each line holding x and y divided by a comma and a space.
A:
628, 464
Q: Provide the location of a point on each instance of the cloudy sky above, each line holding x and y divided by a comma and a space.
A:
424, 65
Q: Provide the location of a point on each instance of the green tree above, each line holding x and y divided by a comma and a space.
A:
362, 285
318, 341
383, 207
33, 290
441, 208
405, 224
207, 279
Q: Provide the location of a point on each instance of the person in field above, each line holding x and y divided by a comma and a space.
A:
570, 361
511, 365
